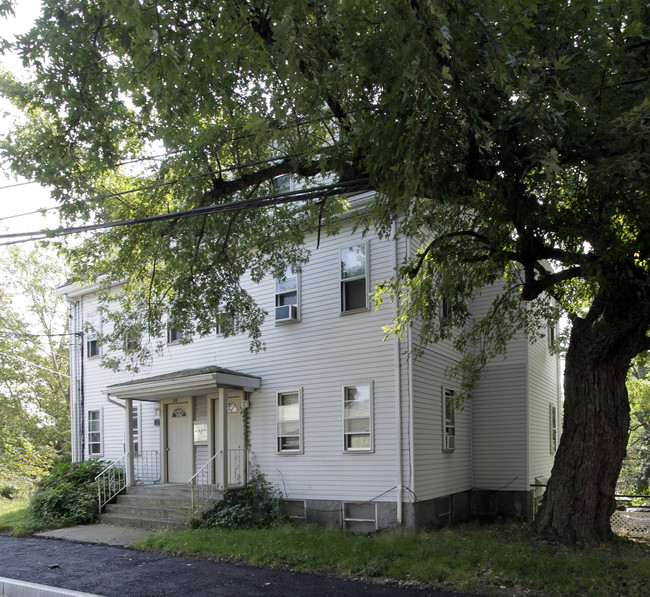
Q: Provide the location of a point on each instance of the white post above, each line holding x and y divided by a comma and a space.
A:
128, 413
223, 434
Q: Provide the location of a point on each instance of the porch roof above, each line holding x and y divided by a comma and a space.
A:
183, 383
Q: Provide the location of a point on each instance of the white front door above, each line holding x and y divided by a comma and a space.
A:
236, 452
179, 443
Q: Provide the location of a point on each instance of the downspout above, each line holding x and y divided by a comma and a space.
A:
398, 391
409, 337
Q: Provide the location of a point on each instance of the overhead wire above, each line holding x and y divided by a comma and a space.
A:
347, 187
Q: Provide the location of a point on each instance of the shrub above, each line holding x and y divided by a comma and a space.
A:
67, 495
257, 505
8, 492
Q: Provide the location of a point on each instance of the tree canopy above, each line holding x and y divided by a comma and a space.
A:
507, 139
34, 409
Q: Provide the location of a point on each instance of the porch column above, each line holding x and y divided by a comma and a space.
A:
223, 434
128, 413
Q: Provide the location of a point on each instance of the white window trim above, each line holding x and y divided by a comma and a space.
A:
448, 439
343, 281
297, 276
300, 449
99, 454
94, 320
137, 434
371, 425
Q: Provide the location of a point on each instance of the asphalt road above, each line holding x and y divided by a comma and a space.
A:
121, 572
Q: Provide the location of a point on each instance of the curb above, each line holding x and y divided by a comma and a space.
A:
18, 588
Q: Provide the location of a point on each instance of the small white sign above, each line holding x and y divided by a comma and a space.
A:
200, 433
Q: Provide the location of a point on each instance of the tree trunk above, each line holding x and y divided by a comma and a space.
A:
579, 499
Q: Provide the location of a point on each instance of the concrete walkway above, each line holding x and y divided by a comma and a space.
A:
101, 534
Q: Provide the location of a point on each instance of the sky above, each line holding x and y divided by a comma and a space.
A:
16, 200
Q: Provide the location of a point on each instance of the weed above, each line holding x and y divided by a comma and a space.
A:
256, 505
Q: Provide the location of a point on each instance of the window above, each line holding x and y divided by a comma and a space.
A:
360, 516
550, 335
135, 418
225, 324
289, 422
93, 329
132, 342
445, 309
354, 276
94, 433
449, 420
287, 298
357, 418
552, 427
174, 335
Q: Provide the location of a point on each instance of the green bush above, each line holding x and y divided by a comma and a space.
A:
67, 495
257, 505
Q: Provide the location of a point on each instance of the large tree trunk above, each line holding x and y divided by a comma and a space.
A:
579, 499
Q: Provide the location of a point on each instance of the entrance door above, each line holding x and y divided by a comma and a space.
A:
236, 452
179, 443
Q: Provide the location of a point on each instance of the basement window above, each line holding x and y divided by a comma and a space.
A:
360, 516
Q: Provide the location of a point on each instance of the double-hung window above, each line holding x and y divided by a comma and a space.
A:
287, 297
289, 422
357, 418
93, 329
95, 432
449, 420
354, 278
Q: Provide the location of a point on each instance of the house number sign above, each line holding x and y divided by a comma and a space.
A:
200, 433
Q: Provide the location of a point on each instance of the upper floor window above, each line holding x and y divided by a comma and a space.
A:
287, 297
289, 420
226, 324
445, 308
354, 278
173, 334
449, 420
93, 329
357, 418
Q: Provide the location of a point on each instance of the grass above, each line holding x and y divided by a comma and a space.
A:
13, 514
495, 559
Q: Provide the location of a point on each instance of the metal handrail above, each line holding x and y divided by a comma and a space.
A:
111, 481
200, 487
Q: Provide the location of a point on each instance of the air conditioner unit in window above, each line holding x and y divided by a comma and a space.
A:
450, 442
286, 313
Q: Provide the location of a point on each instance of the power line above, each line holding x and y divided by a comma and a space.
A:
341, 188
157, 185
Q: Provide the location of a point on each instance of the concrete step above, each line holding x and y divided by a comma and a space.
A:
162, 512
141, 523
152, 507
152, 501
